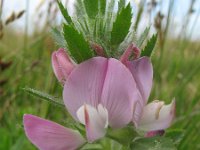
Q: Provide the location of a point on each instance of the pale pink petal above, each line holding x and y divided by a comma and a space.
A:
85, 84
95, 120
157, 116
47, 135
119, 94
142, 72
62, 65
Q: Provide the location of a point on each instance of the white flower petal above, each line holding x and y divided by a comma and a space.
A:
157, 116
95, 120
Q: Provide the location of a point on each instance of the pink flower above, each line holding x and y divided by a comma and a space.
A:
99, 92
62, 65
155, 115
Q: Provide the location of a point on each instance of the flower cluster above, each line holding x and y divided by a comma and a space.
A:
100, 93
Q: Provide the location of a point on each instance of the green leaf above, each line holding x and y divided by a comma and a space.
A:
91, 147
121, 4
44, 96
58, 37
102, 6
175, 134
155, 143
121, 25
64, 12
77, 45
123, 136
147, 51
143, 37
91, 7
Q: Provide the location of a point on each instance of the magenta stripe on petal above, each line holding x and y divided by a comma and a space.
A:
47, 135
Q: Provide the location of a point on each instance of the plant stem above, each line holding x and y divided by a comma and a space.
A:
82, 146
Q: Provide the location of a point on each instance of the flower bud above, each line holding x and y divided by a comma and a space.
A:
62, 65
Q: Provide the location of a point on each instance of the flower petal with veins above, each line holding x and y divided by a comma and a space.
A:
102, 81
47, 135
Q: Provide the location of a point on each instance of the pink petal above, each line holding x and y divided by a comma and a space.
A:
102, 81
95, 120
62, 65
85, 84
157, 116
47, 135
142, 72
119, 94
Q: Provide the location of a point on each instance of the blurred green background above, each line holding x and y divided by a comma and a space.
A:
25, 53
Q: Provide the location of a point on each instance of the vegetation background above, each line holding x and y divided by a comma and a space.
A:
25, 62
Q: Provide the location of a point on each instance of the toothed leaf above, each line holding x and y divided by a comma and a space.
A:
77, 45
121, 25
147, 51
64, 12
91, 7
